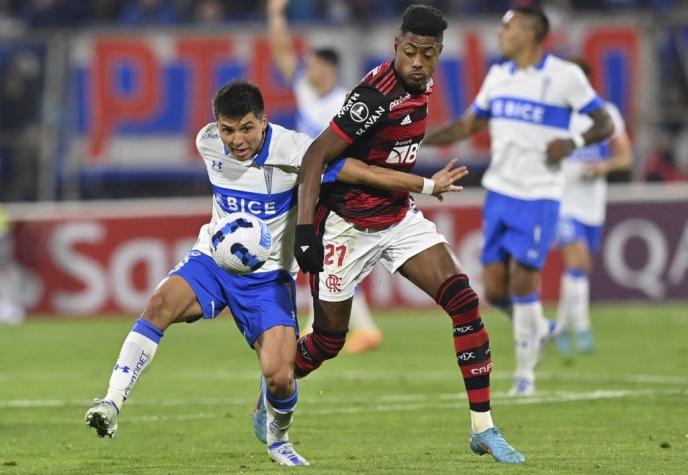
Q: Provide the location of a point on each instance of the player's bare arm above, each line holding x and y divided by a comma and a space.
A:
323, 150
280, 38
358, 172
620, 159
455, 130
601, 129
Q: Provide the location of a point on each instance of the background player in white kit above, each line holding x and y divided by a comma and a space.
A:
252, 166
581, 219
527, 102
319, 96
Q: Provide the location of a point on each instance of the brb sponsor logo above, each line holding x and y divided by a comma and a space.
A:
403, 153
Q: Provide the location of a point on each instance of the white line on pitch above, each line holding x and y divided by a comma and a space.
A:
387, 403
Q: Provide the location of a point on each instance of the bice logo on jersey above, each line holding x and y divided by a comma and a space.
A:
403, 154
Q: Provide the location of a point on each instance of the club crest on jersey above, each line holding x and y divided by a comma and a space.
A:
359, 112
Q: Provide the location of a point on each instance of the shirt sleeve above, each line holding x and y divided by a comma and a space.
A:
364, 109
333, 169
300, 143
579, 93
481, 104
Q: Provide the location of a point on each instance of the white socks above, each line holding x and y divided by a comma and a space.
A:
530, 326
136, 354
481, 421
574, 301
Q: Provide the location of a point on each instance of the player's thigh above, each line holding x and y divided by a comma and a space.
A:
531, 231
415, 247
261, 301
350, 255
172, 301
430, 268
276, 349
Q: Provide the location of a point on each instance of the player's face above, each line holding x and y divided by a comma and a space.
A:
513, 34
243, 136
416, 58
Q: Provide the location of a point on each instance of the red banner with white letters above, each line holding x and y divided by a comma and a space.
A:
89, 260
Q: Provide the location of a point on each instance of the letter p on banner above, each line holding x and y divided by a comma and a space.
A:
111, 104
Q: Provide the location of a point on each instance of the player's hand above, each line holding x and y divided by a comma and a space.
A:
308, 249
445, 179
557, 150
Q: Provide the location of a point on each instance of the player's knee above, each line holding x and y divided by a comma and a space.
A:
281, 382
159, 311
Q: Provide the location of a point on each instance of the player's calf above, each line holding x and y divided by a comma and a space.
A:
316, 347
471, 341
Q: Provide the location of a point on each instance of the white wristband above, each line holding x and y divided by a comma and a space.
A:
428, 186
578, 140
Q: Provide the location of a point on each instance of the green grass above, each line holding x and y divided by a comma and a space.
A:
400, 409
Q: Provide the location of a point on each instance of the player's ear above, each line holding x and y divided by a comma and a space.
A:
396, 43
264, 122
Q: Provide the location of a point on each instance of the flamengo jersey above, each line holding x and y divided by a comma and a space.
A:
264, 186
585, 200
384, 124
314, 111
528, 108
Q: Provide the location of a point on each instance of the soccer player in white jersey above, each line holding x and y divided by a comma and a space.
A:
581, 220
252, 166
319, 97
528, 102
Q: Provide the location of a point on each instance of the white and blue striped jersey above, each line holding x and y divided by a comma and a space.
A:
314, 112
265, 186
584, 199
527, 109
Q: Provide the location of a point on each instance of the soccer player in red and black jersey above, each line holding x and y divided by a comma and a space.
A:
353, 227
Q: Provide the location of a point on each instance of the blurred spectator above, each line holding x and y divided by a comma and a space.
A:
148, 12
209, 12
20, 101
660, 165
10, 25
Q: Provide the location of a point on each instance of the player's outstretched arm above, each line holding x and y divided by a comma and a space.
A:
308, 248
455, 130
360, 173
621, 157
601, 129
280, 39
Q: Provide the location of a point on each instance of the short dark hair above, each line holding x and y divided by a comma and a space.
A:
328, 55
539, 22
236, 99
423, 20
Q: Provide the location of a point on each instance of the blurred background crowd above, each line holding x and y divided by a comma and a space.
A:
32, 112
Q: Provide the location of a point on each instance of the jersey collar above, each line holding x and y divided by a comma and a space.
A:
536, 67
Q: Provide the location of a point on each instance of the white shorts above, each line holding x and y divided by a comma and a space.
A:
352, 252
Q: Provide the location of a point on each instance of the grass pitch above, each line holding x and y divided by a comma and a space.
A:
400, 409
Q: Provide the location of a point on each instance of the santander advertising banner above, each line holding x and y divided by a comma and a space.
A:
108, 257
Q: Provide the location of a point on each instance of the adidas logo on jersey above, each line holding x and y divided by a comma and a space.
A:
406, 120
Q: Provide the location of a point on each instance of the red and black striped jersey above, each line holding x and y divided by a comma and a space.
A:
384, 124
